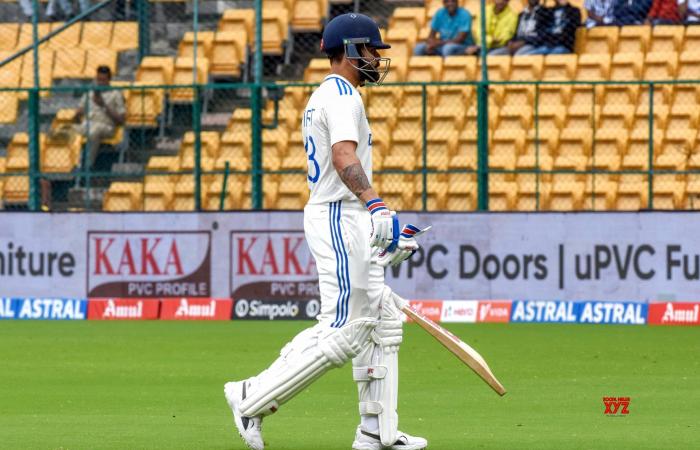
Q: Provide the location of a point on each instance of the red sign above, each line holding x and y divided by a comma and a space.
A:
494, 311
122, 309
616, 405
674, 313
196, 308
432, 309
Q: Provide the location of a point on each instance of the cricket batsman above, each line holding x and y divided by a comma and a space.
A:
352, 235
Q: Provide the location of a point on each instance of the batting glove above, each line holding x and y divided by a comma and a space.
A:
405, 247
382, 224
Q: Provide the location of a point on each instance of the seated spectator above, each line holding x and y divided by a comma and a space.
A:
663, 12
453, 25
561, 33
530, 33
630, 12
689, 11
600, 12
501, 22
105, 112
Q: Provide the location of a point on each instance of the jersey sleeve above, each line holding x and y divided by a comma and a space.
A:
343, 115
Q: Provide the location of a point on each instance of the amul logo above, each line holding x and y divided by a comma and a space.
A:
616, 406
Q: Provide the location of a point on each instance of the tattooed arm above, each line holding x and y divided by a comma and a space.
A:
351, 172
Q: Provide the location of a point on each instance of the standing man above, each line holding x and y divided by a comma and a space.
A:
347, 227
454, 26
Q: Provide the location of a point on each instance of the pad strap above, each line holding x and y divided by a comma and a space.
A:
368, 373
371, 408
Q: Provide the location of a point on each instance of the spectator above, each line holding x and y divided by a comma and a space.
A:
663, 12
454, 26
630, 12
27, 7
600, 12
105, 112
533, 22
561, 34
690, 11
501, 22
65, 5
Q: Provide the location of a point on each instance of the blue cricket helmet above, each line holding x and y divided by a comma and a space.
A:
351, 28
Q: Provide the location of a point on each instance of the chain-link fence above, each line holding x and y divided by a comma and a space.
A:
565, 113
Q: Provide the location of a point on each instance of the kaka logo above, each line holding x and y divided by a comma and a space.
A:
149, 264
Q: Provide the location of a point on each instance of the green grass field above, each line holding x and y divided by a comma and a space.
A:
125, 385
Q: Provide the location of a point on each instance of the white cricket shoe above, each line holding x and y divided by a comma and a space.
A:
249, 428
370, 441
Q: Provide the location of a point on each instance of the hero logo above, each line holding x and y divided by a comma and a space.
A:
149, 264
459, 311
258, 309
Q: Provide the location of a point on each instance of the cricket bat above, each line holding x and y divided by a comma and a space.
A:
465, 353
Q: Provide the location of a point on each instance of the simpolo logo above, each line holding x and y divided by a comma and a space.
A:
313, 308
259, 309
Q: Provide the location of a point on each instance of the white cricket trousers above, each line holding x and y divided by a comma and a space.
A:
350, 283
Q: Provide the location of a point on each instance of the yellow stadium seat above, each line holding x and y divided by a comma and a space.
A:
125, 36
407, 17
660, 66
460, 68
184, 192
204, 42
442, 145
275, 24
9, 32
676, 148
66, 39
553, 95
507, 143
461, 192
69, 63
550, 117
682, 117
61, 154
46, 58
124, 196
227, 54
99, 57
239, 21
235, 150
398, 70
467, 151
502, 194
559, 67
10, 73
668, 192
616, 117
210, 144
526, 68
514, 117
626, 66
155, 70
143, 106
599, 192
317, 70
424, 68
293, 192
539, 143
158, 189
498, 68
25, 37
240, 122
637, 155
689, 65
574, 150
593, 67
619, 94
96, 35
308, 15
691, 40
601, 40
667, 39
402, 41
382, 121
634, 39
533, 192
9, 104
632, 193
402, 154
514, 95
692, 190
686, 94
582, 117
607, 149
566, 193
436, 190
183, 74
274, 148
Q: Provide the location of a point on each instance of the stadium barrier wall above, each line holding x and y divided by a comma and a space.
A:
554, 267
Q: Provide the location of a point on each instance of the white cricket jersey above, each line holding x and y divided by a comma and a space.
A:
334, 113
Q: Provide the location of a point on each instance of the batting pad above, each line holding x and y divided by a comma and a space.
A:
309, 355
376, 371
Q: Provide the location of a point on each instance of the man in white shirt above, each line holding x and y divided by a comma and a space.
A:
689, 11
351, 234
